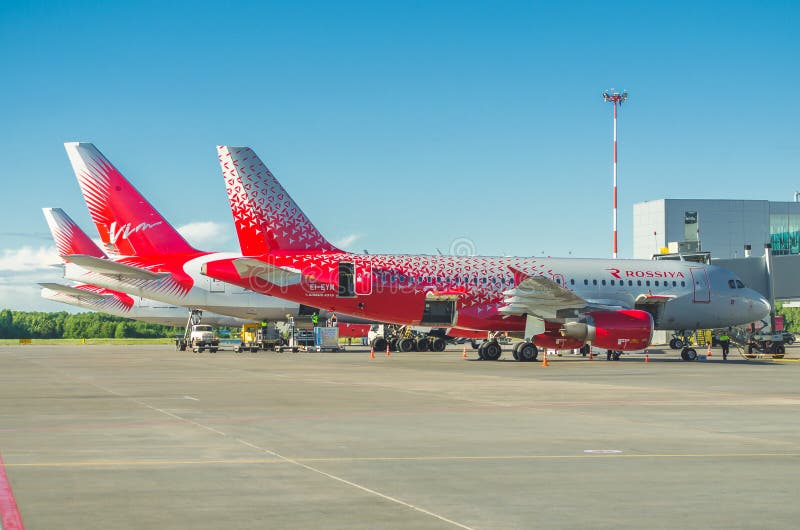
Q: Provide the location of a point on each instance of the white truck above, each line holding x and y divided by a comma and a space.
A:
200, 338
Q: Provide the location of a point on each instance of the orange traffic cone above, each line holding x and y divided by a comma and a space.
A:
387, 350
464, 353
372, 353
544, 360
646, 357
708, 350
591, 355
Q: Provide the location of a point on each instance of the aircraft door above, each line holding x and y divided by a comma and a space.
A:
363, 281
346, 280
559, 279
700, 285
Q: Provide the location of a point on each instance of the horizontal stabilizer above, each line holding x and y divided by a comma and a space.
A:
72, 291
113, 268
253, 268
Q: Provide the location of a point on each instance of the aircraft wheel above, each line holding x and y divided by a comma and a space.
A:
379, 344
672, 343
213, 350
616, 355
492, 351
422, 344
405, 345
679, 344
528, 352
481, 350
515, 354
689, 354
780, 349
474, 344
393, 344
438, 344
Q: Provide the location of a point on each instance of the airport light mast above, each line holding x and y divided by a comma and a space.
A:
615, 98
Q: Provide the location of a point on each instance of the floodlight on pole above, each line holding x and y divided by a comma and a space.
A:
615, 98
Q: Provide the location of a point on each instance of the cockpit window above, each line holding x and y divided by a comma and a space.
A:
732, 284
739, 284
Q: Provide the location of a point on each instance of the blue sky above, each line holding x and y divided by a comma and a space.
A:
398, 127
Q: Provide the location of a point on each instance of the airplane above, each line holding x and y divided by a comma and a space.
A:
71, 240
558, 303
151, 259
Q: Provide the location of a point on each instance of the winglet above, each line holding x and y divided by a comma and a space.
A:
267, 218
127, 223
69, 237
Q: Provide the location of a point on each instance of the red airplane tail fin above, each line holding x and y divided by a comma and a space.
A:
69, 237
267, 218
127, 223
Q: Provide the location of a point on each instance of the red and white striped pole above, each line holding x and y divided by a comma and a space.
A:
615, 98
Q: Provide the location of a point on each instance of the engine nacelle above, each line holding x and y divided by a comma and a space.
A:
556, 341
626, 329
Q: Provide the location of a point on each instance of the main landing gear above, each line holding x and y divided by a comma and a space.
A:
689, 354
525, 352
490, 350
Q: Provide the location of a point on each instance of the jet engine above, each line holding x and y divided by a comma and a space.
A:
556, 341
626, 329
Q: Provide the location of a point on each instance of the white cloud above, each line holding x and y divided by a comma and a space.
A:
346, 241
207, 235
27, 259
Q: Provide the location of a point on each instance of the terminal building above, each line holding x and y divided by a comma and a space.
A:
721, 227
734, 234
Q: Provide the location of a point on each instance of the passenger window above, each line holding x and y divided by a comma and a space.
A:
739, 284
639, 283
558, 281
603, 282
683, 283
647, 283
630, 283
674, 283
585, 282
572, 281
594, 282
612, 282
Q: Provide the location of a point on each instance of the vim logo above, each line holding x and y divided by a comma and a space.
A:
125, 230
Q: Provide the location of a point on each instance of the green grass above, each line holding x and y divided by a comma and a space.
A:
90, 342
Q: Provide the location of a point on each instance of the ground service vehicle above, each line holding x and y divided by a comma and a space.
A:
200, 337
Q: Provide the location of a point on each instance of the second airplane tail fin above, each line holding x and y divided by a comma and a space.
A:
128, 224
267, 218
69, 237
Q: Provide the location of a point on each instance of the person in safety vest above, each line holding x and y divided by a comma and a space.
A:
725, 341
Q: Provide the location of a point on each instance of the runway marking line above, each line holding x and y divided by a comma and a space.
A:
10, 519
444, 458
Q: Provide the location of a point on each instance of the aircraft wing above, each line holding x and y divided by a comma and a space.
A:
540, 297
113, 268
254, 268
75, 293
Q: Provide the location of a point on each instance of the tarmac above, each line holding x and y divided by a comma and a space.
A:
145, 437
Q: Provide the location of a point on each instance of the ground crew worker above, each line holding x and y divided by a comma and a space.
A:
725, 341
314, 319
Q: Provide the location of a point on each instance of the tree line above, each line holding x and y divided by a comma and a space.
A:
63, 325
